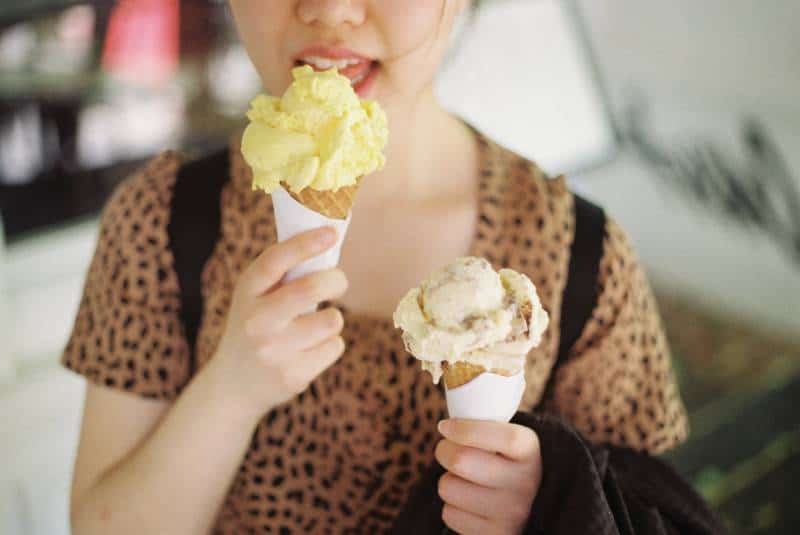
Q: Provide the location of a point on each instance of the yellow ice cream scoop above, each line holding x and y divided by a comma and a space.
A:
318, 135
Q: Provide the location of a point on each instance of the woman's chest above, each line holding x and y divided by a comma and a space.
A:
388, 251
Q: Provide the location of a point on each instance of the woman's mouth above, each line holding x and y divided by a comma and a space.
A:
360, 70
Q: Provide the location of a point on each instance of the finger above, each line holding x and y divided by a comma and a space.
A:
310, 330
269, 268
481, 467
466, 523
500, 504
297, 297
319, 358
304, 332
308, 364
514, 441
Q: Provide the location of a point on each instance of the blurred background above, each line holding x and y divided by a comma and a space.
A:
681, 117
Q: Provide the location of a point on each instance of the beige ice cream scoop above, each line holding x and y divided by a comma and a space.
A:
466, 319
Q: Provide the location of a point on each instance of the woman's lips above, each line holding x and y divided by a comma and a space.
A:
361, 70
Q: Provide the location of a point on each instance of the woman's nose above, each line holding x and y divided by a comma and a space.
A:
332, 13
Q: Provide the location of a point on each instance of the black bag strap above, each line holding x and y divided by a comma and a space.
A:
194, 229
580, 293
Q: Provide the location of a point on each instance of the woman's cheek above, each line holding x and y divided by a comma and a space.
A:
410, 27
416, 36
263, 28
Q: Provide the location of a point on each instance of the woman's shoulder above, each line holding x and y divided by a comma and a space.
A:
133, 255
170, 187
133, 242
523, 177
521, 193
143, 198
129, 308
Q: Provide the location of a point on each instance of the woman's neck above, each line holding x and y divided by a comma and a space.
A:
424, 142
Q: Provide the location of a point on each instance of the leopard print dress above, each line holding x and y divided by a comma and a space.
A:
342, 456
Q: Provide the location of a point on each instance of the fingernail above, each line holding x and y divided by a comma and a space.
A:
444, 426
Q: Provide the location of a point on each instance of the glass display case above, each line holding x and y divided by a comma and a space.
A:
88, 91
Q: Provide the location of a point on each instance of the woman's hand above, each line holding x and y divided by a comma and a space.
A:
271, 348
493, 474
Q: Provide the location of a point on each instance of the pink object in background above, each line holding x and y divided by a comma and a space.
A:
142, 43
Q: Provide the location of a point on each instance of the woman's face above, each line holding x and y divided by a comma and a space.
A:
390, 49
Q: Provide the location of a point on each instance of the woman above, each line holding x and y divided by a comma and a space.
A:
279, 422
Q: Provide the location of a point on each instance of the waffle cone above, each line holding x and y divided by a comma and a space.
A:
331, 204
460, 373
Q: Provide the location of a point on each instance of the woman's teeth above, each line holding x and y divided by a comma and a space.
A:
324, 64
358, 78
345, 66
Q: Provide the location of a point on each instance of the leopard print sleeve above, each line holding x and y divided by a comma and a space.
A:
617, 385
127, 334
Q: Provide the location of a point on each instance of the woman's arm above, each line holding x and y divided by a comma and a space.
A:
147, 467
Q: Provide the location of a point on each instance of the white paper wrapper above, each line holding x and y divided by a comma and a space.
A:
487, 397
292, 218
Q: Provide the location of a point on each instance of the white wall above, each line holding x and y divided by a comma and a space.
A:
703, 65
40, 286
38, 440
528, 88
736, 54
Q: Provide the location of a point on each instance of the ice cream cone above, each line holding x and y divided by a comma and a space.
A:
330, 203
293, 217
461, 373
474, 326
486, 396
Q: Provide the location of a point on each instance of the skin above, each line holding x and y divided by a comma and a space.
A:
493, 473
148, 466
